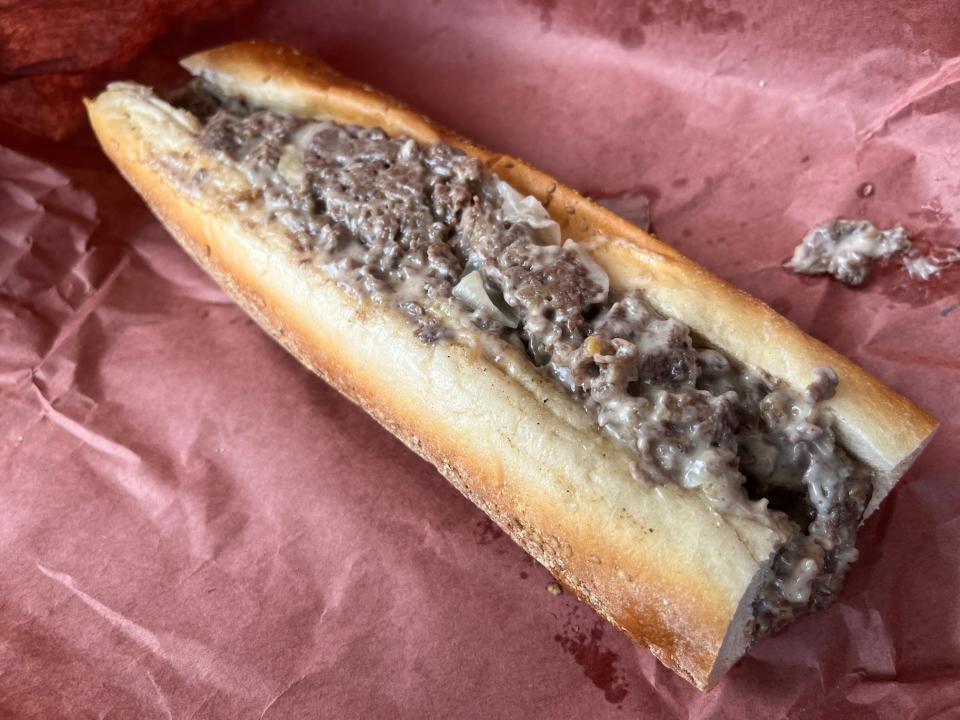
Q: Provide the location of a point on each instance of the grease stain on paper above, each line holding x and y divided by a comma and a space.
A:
599, 663
698, 13
932, 213
487, 531
626, 20
631, 37
546, 8
634, 205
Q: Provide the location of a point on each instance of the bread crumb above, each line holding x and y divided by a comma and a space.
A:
554, 588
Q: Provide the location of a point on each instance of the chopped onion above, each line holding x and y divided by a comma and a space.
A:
519, 208
291, 169
798, 586
303, 136
156, 108
471, 292
406, 150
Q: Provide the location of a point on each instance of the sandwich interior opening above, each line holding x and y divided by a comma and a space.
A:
433, 233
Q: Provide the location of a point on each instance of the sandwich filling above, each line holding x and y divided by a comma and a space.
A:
847, 249
434, 233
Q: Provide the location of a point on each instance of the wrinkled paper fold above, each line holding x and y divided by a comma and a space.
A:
192, 525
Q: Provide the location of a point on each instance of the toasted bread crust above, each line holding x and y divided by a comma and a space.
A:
660, 565
881, 427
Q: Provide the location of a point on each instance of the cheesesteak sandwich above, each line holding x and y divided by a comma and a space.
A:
683, 458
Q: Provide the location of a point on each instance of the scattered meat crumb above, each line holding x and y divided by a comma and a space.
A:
921, 267
928, 266
847, 249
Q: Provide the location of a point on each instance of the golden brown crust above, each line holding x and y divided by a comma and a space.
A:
620, 551
660, 565
881, 427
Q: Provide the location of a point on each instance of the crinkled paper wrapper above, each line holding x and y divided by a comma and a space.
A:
192, 525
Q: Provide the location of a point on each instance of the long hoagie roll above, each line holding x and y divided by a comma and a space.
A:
685, 459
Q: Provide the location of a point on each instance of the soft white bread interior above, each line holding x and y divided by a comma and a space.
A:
657, 562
